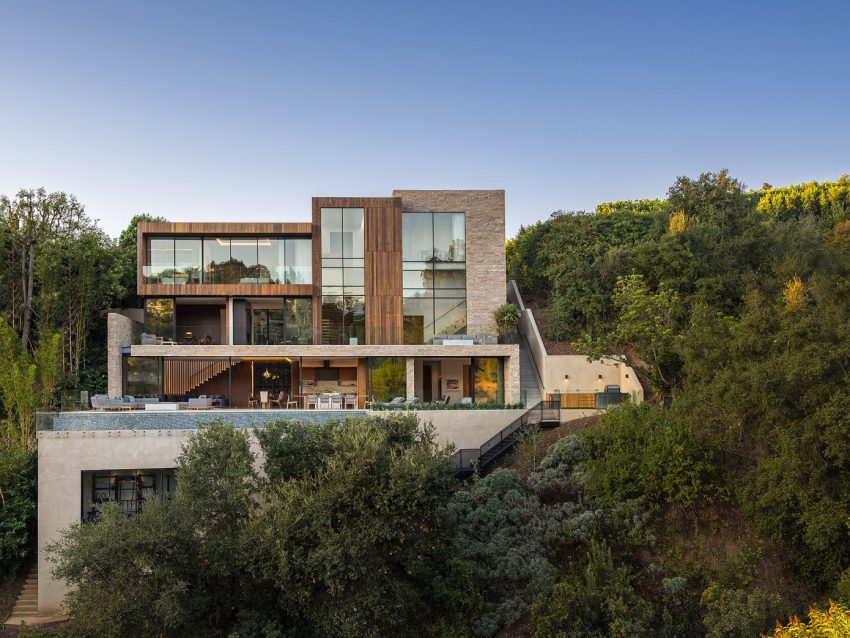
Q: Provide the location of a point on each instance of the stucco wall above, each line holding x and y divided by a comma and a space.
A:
485, 246
64, 455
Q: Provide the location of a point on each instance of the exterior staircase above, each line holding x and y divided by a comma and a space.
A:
26, 605
182, 376
529, 384
544, 414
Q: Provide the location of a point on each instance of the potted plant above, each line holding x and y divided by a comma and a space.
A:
506, 317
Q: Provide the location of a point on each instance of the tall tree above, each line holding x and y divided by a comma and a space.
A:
32, 218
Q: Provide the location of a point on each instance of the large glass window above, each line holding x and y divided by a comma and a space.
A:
270, 260
488, 380
243, 254
128, 488
142, 377
299, 261
218, 269
187, 260
434, 276
298, 320
343, 305
159, 317
281, 320
234, 260
160, 261
387, 378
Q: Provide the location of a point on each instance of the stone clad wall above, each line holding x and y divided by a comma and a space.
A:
119, 331
485, 246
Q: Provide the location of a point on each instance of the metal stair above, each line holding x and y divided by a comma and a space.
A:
544, 414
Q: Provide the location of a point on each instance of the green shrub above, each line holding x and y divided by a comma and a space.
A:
18, 493
597, 601
737, 613
506, 317
640, 451
503, 532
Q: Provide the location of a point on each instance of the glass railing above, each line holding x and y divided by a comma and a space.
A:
275, 275
186, 335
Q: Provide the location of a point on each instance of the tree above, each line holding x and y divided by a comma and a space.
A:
351, 541
32, 218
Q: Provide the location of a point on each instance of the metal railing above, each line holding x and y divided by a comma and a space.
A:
470, 460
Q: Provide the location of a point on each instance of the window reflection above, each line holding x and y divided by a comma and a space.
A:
343, 306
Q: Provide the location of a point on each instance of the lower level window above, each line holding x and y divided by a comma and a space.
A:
128, 488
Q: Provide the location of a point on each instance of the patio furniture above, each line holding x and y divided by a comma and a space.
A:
162, 407
264, 398
279, 401
150, 339
203, 402
336, 402
411, 401
312, 401
350, 401
446, 399
465, 400
369, 401
105, 402
324, 402
291, 402
252, 401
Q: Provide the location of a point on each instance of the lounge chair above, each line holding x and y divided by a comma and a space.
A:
446, 399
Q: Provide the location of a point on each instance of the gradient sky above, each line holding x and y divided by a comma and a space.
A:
242, 111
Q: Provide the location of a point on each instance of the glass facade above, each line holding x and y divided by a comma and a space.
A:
343, 305
228, 260
282, 320
488, 380
159, 317
387, 378
142, 376
128, 488
434, 277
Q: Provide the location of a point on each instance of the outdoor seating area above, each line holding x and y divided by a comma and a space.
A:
129, 402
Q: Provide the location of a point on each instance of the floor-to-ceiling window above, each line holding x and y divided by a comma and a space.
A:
488, 380
142, 377
343, 305
387, 378
281, 320
159, 317
228, 260
434, 277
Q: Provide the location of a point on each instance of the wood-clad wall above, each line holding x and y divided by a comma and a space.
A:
383, 279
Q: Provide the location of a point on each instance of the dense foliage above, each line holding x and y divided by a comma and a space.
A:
735, 304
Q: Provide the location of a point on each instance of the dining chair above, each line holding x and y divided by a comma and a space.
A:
279, 401
350, 401
312, 401
252, 401
291, 402
324, 402
264, 398
336, 401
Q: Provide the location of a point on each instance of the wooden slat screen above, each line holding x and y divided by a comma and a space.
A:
575, 400
184, 375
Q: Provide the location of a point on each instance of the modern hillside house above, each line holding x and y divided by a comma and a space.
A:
369, 294
372, 300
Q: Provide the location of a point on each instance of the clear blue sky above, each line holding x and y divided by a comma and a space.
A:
243, 111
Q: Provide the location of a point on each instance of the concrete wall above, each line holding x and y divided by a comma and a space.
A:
119, 330
485, 246
64, 455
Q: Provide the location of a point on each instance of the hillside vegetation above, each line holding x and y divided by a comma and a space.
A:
736, 305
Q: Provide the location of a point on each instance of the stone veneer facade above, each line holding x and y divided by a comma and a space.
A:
485, 246
119, 330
